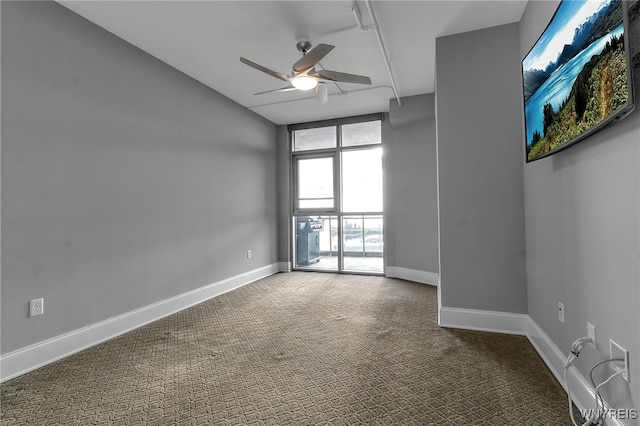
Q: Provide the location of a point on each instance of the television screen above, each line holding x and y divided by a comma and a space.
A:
577, 77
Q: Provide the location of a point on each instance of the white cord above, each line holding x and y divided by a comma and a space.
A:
573, 420
576, 347
597, 395
607, 381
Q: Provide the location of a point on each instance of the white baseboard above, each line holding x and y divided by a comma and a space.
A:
423, 277
471, 319
582, 391
26, 359
548, 351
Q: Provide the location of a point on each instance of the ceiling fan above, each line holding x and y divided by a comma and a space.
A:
304, 75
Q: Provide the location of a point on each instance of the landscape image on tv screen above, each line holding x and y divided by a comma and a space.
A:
576, 78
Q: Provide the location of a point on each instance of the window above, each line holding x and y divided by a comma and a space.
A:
362, 180
366, 133
315, 183
316, 138
337, 213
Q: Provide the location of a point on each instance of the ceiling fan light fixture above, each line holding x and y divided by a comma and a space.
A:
322, 94
304, 82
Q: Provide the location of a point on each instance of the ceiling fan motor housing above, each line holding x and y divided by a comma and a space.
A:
303, 46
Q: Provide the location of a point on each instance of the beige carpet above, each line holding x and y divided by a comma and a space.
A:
297, 348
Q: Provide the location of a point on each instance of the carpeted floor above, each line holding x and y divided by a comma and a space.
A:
297, 348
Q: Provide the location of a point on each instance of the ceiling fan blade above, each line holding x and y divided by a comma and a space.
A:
265, 70
312, 57
284, 89
342, 77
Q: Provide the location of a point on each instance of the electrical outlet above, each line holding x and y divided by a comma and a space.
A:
561, 311
618, 352
248, 254
36, 307
591, 332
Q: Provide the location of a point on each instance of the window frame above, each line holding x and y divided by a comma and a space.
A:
307, 155
336, 153
337, 211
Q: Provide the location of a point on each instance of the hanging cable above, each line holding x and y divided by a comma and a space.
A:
576, 348
598, 397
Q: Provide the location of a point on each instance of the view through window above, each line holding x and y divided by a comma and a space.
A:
338, 215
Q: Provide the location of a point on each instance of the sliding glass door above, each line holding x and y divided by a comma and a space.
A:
338, 217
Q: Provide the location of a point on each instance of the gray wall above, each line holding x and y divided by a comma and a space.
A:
410, 180
124, 182
582, 230
478, 114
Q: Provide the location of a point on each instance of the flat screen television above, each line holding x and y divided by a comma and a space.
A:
577, 78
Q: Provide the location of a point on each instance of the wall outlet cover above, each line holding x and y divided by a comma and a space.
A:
561, 311
618, 352
36, 307
591, 332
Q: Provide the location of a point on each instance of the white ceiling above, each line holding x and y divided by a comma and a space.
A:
205, 39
